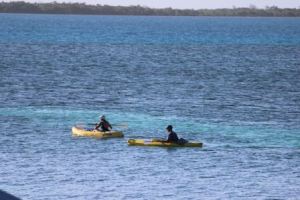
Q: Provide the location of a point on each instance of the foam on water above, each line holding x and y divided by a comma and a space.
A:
143, 125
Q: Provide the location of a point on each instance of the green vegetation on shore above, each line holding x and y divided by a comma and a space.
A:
81, 8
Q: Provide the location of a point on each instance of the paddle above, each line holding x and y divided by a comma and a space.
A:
147, 138
120, 125
158, 140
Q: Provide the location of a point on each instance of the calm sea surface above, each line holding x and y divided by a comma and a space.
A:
232, 83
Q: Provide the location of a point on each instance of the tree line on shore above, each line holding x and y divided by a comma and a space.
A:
82, 8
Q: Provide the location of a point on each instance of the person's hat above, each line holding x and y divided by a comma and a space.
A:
169, 128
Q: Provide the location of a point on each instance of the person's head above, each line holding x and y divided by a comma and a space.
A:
169, 128
102, 117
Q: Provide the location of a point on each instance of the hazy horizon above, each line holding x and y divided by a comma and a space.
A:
185, 4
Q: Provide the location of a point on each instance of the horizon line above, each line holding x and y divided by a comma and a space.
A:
146, 6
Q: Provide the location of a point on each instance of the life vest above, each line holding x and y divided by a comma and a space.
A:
106, 125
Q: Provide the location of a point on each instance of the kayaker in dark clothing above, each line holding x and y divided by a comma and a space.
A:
103, 125
172, 137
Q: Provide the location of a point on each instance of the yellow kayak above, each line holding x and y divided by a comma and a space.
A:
76, 131
156, 143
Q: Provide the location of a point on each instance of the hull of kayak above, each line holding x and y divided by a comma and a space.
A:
151, 143
80, 132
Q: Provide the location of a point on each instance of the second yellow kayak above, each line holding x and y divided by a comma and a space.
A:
155, 143
76, 131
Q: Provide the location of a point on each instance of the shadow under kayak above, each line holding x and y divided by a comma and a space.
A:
154, 143
80, 132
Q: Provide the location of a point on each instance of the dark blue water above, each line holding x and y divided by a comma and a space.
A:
232, 83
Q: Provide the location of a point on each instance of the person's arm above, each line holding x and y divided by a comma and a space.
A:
169, 139
109, 126
98, 126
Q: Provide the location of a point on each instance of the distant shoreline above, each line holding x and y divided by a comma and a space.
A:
85, 9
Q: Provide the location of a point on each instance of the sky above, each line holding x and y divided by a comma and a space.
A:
188, 4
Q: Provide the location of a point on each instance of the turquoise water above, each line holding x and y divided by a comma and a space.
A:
232, 83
